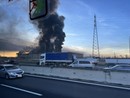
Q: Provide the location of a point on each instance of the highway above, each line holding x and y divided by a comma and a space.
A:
34, 87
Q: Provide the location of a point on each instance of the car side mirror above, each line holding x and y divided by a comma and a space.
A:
38, 9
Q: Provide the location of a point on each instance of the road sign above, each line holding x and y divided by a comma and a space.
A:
38, 9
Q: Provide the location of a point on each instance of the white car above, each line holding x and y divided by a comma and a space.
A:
82, 63
125, 67
10, 71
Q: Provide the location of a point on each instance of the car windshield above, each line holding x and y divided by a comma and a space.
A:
10, 67
65, 48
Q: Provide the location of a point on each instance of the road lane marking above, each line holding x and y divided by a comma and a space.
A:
81, 82
23, 90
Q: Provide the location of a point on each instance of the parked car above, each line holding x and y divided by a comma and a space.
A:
10, 71
125, 67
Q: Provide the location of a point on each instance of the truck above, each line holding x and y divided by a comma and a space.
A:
83, 63
57, 58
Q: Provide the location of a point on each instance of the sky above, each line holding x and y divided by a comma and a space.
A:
113, 25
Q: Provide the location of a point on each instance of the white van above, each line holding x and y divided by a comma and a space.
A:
82, 63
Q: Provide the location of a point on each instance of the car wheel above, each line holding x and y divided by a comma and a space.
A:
6, 76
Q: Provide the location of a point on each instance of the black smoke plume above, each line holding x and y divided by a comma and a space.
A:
8, 32
51, 36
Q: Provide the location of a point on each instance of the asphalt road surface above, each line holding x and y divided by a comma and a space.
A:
33, 87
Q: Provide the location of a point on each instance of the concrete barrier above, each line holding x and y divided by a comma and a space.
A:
83, 74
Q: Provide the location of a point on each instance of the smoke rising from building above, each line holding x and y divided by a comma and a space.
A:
8, 32
11, 35
51, 36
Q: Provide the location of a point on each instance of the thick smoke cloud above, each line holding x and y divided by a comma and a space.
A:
53, 5
5, 45
10, 37
2, 14
51, 36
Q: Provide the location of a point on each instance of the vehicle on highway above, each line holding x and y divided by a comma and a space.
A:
124, 67
82, 63
57, 58
10, 71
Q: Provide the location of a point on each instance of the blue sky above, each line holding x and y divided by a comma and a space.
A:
113, 21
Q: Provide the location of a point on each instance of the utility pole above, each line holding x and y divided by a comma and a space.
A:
95, 47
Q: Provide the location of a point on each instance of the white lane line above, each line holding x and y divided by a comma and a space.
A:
30, 92
81, 82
